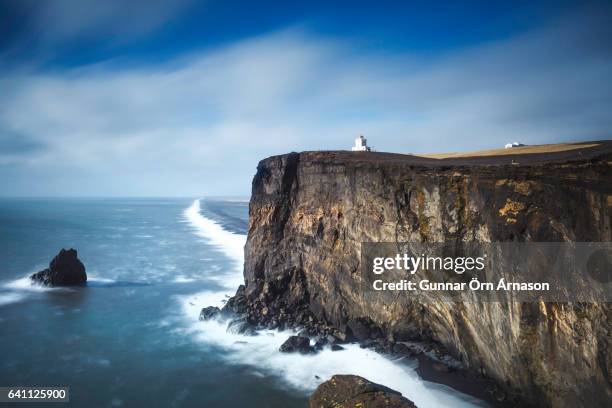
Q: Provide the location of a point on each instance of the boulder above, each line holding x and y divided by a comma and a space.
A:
210, 312
65, 269
349, 391
296, 344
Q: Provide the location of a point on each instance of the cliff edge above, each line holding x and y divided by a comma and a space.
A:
310, 212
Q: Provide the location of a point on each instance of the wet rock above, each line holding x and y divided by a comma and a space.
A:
363, 329
383, 346
320, 342
298, 344
341, 336
241, 325
64, 270
402, 350
336, 347
367, 344
349, 391
305, 333
331, 339
237, 304
210, 312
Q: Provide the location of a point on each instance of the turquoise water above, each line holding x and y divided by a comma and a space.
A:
131, 337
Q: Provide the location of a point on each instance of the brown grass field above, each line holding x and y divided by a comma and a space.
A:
545, 148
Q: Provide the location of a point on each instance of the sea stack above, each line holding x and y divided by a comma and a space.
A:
65, 269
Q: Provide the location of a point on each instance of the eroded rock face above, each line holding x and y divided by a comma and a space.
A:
349, 391
309, 213
64, 270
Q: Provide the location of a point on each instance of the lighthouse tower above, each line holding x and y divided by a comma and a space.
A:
361, 145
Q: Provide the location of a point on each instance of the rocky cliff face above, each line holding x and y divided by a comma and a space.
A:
310, 212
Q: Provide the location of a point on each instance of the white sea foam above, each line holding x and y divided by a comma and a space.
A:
11, 297
232, 245
19, 289
302, 372
182, 279
26, 284
99, 279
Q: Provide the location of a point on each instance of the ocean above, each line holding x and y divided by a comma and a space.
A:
131, 337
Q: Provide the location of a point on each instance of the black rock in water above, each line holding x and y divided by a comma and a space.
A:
209, 312
64, 270
296, 344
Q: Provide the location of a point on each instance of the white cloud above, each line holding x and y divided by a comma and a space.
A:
199, 124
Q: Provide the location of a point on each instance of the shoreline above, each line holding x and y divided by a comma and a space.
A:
434, 363
239, 343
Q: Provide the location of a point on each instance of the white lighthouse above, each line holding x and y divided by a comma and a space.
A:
361, 145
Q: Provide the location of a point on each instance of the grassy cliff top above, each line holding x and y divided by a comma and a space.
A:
520, 150
520, 156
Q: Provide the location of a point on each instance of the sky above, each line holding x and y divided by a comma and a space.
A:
183, 98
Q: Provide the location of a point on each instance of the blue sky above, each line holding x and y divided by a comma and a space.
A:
183, 98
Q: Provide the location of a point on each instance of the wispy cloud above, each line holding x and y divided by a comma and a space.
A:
199, 124
61, 19
45, 26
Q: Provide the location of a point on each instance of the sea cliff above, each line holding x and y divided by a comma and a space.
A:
310, 212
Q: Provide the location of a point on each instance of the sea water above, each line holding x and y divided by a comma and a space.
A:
131, 337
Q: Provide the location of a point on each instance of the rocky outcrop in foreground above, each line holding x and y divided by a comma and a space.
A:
310, 212
64, 270
350, 391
